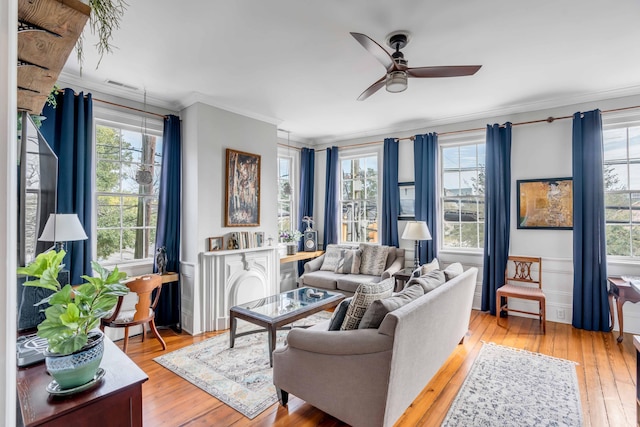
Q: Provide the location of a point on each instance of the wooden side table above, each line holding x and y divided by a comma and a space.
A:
621, 291
402, 276
115, 401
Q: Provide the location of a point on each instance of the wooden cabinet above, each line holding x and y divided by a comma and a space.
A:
47, 32
115, 401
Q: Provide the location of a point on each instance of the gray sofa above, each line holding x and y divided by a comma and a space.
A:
347, 284
368, 377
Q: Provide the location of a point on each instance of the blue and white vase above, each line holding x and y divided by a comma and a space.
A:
76, 369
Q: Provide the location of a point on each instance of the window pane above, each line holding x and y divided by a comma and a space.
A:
108, 211
469, 235
468, 158
371, 166
618, 174
109, 245
451, 183
131, 150
468, 182
107, 143
618, 240
452, 210
634, 176
615, 144
616, 208
347, 170
359, 197
611, 179
469, 211
371, 189
452, 235
450, 158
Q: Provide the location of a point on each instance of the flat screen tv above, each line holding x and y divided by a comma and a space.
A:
37, 191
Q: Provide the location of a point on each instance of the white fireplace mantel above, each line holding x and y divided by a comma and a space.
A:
232, 277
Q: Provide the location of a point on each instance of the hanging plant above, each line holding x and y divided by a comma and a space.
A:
105, 18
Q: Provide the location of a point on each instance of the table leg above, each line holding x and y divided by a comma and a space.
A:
620, 301
271, 331
232, 332
611, 312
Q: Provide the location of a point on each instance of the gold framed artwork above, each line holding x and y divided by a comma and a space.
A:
243, 189
216, 243
545, 204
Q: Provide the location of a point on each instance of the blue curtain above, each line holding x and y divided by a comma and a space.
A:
305, 207
168, 226
425, 155
590, 304
331, 198
69, 130
390, 193
497, 201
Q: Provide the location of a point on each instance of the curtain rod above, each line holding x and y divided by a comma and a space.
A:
123, 106
288, 146
548, 120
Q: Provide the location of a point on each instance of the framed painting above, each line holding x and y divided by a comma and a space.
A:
407, 209
243, 189
545, 204
216, 243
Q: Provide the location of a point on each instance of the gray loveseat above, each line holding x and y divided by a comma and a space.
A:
368, 377
347, 283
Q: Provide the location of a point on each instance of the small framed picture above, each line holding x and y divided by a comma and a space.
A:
259, 239
215, 243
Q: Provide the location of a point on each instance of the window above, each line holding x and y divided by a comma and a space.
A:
359, 198
622, 190
462, 196
128, 164
286, 217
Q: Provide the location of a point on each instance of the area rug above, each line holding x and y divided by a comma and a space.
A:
511, 387
239, 376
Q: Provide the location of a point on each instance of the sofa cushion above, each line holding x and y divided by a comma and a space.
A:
453, 270
350, 282
331, 258
433, 265
429, 281
349, 262
362, 299
338, 314
374, 259
321, 279
379, 308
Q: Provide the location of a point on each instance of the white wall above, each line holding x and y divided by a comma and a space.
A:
8, 220
206, 134
541, 150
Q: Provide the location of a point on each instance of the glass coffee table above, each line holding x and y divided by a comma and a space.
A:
275, 311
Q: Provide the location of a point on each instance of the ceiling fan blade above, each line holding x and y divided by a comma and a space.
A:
376, 50
445, 71
372, 89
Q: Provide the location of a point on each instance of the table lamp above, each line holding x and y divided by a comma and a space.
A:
61, 228
416, 230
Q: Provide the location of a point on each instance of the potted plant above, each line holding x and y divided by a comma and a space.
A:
291, 238
75, 345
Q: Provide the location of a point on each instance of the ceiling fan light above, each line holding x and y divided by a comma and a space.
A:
396, 81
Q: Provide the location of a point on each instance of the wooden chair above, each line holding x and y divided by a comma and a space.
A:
144, 312
521, 283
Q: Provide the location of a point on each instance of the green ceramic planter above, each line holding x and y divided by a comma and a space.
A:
76, 369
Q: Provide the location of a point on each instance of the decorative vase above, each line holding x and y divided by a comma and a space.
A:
292, 248
76, 369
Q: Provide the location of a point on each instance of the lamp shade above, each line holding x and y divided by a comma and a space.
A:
416, 230
63, 228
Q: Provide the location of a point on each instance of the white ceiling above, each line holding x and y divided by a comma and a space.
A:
293, 62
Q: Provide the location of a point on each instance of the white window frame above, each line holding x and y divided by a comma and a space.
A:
359, 153
294, 155
621, 120
474, 138
113, 117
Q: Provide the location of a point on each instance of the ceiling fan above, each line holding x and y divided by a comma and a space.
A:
395, 79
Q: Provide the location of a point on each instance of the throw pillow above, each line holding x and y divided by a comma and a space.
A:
433, 265
378, 309
349, 262
331, 258
362, 299
374, 259
453, 270
338, 314
428, 282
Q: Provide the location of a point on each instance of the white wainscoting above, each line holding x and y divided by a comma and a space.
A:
228, 278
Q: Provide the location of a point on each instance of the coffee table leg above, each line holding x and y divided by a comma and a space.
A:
271, 331
232, 332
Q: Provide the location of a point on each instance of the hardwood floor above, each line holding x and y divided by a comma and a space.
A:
606, 376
